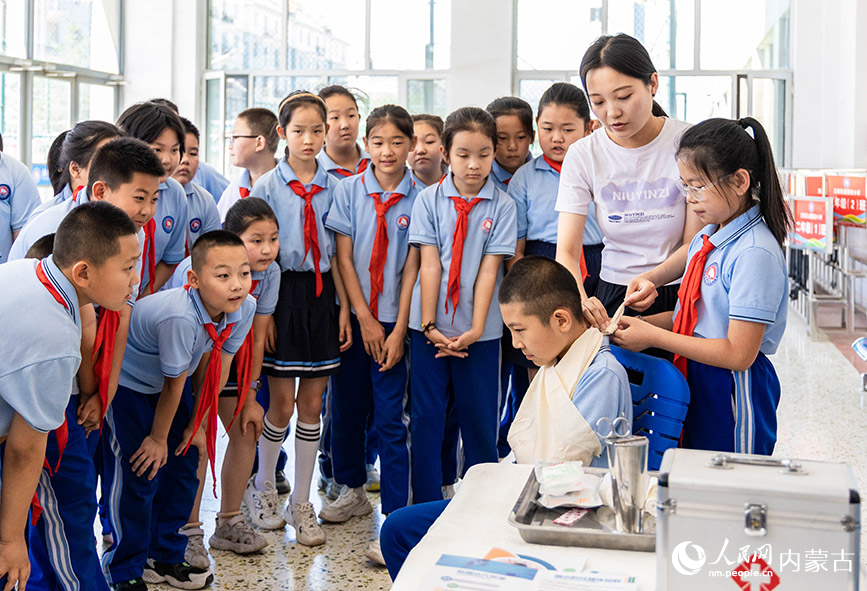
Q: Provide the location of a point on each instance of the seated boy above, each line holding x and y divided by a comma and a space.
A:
95, 264
541, 305
252, 146
149, 483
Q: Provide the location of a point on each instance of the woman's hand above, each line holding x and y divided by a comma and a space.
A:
640, 293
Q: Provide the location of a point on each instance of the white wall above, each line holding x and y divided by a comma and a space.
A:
829, 60
481, 52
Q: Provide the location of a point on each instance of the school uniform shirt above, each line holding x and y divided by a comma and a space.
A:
491, 229
274, 188
332, 168
639, 208
167, 337
744, 279
266, 291
65, 193
238, 189
211, 180
534, 188
353, 214
172, 218
36, 380
18, 199
603, 391
203, 213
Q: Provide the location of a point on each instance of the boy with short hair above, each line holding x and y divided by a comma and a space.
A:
541, 305
124, 173
204, 216
150, 485
252, 146
94, 264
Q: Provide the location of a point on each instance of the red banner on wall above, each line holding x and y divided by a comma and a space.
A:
811, 228
850, 198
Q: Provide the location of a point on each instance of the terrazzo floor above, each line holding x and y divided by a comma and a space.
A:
821, 416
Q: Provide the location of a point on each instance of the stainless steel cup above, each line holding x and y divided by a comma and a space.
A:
628, 464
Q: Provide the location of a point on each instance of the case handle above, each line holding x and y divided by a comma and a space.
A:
788, 466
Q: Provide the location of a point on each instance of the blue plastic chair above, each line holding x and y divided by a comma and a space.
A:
660, 397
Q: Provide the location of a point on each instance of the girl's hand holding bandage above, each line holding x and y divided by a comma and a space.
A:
634, 334
595, 313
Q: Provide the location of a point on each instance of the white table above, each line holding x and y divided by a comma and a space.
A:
476, 520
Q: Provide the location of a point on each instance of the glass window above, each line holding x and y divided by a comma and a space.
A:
213, 124
245, 34
426, 96
325, 35
769, 108
695, 98
268, 91
10, 113
95, 102
669, 37
762, 40
12, 28
410, 34
531, 90
52, 101
82, 33
370, 91
540, 47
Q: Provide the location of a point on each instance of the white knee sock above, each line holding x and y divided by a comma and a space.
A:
306, 447
269, 450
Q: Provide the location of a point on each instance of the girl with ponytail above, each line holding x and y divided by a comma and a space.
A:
731, 309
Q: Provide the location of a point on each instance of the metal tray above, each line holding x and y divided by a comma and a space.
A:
534, 522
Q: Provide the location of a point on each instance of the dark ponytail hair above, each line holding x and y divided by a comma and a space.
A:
337, 90
622, 53
435, 121
468, 119
395, 114
567, 95
293, 102
147, 121
246, 212
719, 147
77, 145
512, 105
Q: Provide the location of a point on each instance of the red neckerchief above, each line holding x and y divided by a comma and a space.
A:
149, 251
688, 294
557, 166
311, 236
62, 432
244, 366
361, 167
380, 246
463, 207
103, 353
209, 397
76, 193
244, 192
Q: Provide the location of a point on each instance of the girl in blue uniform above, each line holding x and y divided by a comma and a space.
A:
464, 226
731, 309
426, 160
514, 119
371, 217
309, 332
342, 156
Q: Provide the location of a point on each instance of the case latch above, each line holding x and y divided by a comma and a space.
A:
756, 519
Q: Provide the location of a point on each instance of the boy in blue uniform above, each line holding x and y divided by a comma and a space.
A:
165, 236
210, 180
149, 484
126, 174
541, 305
203, 213
95, 263
18, 200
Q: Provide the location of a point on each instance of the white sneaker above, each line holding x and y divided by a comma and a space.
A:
374, 553
195, 553
236, 535
350, 503
263, 505
372, 479
303, 518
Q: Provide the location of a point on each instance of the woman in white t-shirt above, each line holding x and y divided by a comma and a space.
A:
628, 170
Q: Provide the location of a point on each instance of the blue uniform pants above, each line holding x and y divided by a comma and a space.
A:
62, 545
734, 411
404, 529
475, 381
360, 391
145, 515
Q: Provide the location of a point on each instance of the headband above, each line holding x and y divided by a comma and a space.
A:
295, 96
